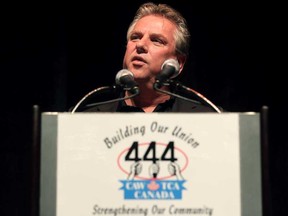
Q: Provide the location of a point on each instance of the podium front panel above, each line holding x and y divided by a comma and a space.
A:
150, 164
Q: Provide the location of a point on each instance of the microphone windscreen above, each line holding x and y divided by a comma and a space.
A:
171, 65
122, 75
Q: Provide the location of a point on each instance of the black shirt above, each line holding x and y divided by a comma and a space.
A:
171, 105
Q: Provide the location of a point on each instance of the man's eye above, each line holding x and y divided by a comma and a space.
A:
158, 41
134, 37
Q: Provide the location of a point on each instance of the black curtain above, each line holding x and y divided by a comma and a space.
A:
52, 56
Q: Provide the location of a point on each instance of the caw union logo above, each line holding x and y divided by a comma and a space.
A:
154, 171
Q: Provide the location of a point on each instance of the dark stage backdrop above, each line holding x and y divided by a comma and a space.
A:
52, 55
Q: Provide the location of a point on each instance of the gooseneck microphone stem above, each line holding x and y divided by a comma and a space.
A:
99, 90
113, 100
201, 97
157, 86
124, 82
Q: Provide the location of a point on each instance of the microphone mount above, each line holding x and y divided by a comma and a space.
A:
134, 92
169, 70
125, 79
124, 82
177, 85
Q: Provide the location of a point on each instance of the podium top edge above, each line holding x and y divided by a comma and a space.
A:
154, 113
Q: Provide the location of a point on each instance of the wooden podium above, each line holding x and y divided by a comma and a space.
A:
130, 164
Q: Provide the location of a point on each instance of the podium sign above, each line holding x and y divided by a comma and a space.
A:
130, 164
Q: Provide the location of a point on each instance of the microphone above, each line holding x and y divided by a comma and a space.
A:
178, 86
169, 70
125, 79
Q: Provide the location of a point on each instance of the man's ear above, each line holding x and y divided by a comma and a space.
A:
181, 60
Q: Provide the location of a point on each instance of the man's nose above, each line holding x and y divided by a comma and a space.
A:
141, 47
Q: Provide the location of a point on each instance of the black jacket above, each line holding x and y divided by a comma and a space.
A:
172, 105
182, 100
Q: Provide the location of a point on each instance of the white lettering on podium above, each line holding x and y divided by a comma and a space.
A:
154, 195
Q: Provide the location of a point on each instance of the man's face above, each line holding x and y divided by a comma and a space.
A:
150, 43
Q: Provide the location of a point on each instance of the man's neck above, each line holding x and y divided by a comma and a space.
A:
147, 100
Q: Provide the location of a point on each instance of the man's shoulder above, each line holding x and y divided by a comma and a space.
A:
182, 105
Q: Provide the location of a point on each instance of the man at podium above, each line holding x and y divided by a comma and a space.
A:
156, 51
